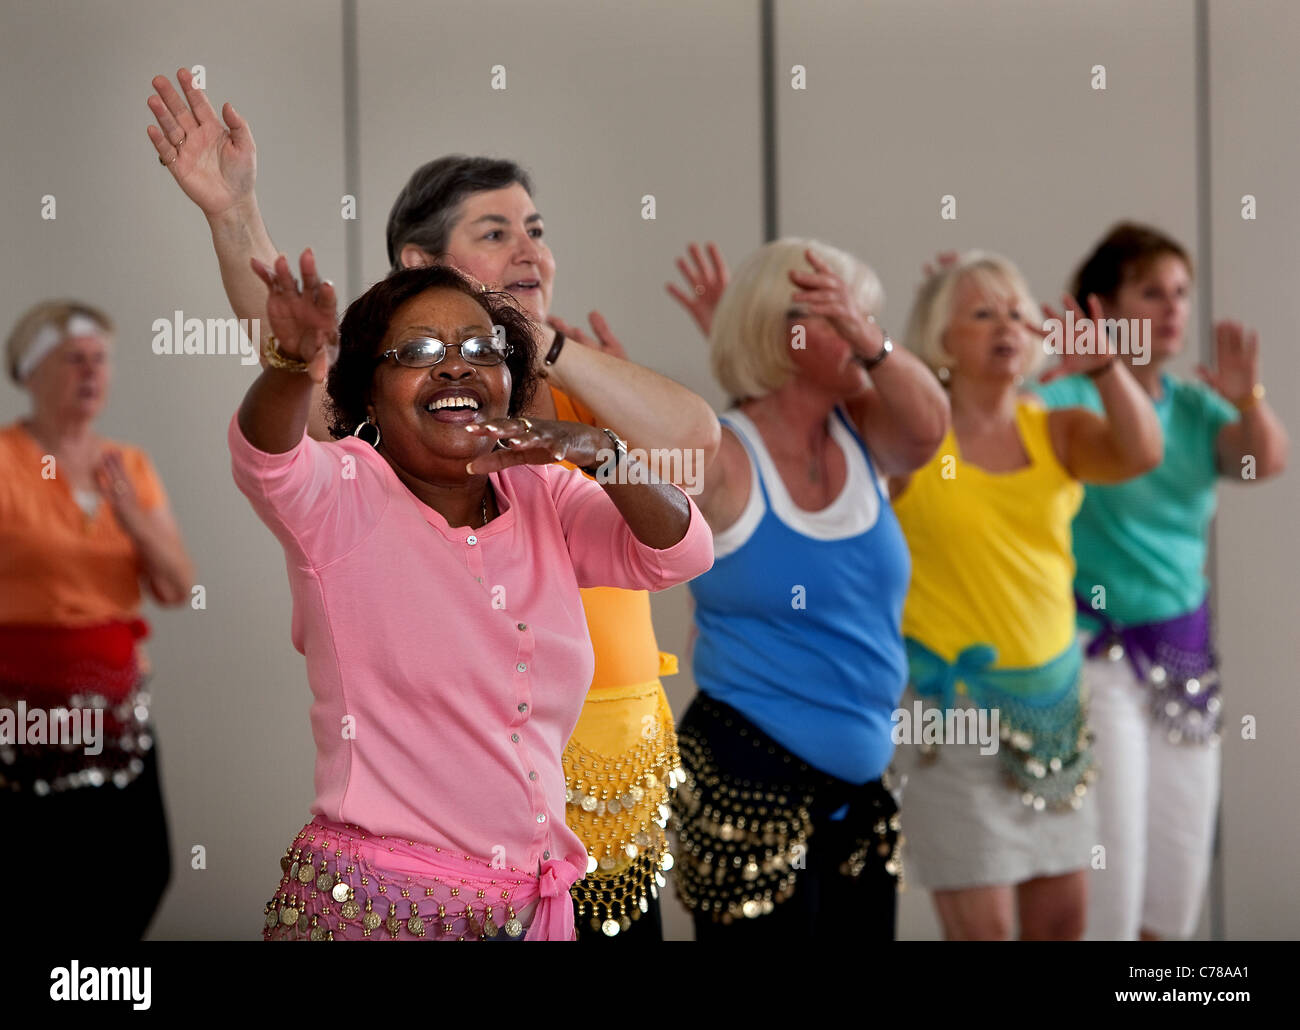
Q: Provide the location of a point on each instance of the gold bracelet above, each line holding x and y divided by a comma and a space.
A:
1244, 404
273, 357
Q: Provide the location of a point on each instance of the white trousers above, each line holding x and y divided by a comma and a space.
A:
1156, 807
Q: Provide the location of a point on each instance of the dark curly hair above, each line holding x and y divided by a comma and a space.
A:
366, 322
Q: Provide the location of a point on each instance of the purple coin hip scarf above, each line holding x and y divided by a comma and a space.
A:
1175, 660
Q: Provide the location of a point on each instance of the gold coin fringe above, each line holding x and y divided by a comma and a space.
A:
619, 807
333, 895
743, 844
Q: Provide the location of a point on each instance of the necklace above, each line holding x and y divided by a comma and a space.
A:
483, 509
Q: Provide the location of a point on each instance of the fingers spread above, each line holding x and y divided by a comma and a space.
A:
719, 266
175, 103
307, 265
679, 296
284, 279
198, 99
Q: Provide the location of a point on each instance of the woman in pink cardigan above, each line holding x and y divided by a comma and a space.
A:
435, 597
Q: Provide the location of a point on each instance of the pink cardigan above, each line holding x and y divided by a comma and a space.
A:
448, 665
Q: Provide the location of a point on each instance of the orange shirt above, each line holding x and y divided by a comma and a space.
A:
622, 634
58, 567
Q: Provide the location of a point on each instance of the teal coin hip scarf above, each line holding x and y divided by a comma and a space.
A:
1045, 746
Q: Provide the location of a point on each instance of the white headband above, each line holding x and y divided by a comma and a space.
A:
49, 337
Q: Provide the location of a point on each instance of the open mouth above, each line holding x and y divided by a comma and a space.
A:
459, 406
524, 286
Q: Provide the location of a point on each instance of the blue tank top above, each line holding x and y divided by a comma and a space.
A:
800, 619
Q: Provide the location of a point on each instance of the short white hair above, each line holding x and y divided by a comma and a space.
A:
750, 351
932, 309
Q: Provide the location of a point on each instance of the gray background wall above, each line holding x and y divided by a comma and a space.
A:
905, 102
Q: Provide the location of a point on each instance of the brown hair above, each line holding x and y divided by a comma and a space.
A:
1128, 250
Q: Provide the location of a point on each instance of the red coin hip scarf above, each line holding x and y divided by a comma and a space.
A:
72, 659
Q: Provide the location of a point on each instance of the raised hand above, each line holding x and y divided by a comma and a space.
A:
822, 292
605, 342
943, 260
536, 441
707, 284
304, 319
1236, 361
1072, 362
215, 164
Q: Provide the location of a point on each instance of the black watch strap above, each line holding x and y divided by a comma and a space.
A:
620, 450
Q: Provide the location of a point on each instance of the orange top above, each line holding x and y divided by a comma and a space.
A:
622, 634
58, 567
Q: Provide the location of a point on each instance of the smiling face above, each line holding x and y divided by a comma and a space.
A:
498, 239
422, 412
1162, 293
71, 383
987, 336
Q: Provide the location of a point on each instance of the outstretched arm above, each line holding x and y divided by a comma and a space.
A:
1128, 440
304, 320
216, 165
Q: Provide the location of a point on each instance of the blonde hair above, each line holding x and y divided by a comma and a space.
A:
750, 351
932, 309
48, 312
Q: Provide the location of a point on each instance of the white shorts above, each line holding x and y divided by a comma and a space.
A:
1156, 805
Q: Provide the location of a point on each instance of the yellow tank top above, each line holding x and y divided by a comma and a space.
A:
991, 558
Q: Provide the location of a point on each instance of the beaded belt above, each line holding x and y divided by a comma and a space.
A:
1175, 659
334, 889
744, 824
618, 804
1045, 745
44, 766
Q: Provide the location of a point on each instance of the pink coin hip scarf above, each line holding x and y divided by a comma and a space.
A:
342, 884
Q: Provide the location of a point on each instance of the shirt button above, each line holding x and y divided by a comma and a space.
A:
471, 540
523, 707
541, 817
521, 626
546, 856
521, 667
515, 737
532, 774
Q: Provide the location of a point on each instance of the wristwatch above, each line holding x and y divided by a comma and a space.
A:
620, 453
885, 349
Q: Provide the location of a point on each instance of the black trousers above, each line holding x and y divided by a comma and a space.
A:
826, 904
65, 848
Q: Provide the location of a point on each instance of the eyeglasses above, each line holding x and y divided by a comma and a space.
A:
425, 351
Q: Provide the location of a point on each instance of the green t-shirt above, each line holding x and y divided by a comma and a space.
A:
1144, 540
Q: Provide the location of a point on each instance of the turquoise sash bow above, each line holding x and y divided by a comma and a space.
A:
1045, 741
1041, 686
